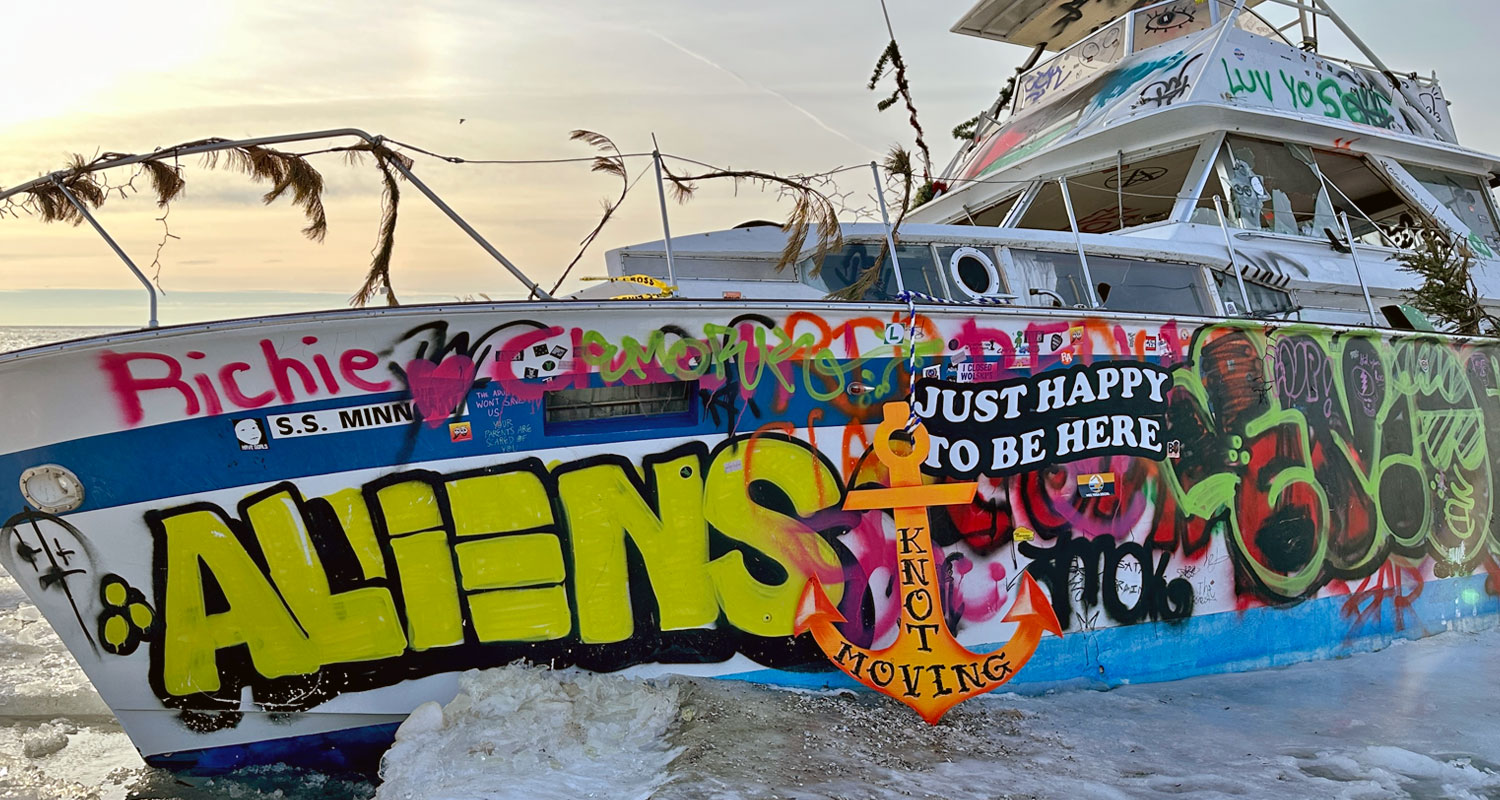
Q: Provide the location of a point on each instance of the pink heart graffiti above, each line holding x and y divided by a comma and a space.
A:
438, 389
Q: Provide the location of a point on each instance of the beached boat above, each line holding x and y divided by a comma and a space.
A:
1215, 439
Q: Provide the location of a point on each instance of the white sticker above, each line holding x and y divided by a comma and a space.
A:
343, 420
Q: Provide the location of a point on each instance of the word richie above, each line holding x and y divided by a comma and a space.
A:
134, 375
1009, 426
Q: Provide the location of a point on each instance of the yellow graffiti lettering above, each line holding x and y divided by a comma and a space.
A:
523, 573
356, 625
424, 564
760, 607
354, 517
603, 507
199, 545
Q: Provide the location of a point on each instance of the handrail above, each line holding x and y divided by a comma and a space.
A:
1083, 259
55, 179
1233, 260
109, 240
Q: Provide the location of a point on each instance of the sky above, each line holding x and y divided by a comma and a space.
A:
773, 85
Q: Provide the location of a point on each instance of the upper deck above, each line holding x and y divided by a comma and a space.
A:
1180, 132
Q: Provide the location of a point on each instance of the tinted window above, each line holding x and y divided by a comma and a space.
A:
841, 269
1122, 284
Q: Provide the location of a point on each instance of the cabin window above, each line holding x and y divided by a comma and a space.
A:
653, 404
1298, 191
972, 271
1122, 284
1264, 300
990, 217
919, 271
1464, 195
1135, 192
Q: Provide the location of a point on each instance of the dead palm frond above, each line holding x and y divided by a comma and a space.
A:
378, 279
811, 210
283, 171
898, 165
610, 165
166, 181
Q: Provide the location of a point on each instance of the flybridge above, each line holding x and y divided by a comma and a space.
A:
1060, 24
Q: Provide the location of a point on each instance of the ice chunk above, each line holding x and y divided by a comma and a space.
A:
530, 732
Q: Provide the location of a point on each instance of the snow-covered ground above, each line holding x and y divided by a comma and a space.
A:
1419, 719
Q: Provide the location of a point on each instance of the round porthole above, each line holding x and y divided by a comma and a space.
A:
974, 272
51, 489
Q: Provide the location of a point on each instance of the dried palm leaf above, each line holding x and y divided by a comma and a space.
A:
610, 165
810, 209
898, 165
166, 181
378, 279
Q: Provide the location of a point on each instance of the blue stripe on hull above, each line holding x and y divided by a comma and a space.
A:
1143, 653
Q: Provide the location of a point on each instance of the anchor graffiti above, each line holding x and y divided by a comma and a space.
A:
925, 667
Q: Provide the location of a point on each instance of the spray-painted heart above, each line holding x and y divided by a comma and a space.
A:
437, 389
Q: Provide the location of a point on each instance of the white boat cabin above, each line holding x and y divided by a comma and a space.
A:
1154, 163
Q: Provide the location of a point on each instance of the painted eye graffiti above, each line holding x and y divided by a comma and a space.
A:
1170, 19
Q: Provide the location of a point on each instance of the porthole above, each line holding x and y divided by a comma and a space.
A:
973, 272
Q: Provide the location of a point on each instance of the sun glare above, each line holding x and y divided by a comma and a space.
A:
82, 53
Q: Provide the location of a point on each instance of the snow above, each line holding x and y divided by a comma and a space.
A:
1417, 720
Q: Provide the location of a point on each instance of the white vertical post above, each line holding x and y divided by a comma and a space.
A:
1358, 273
666, 228
109, 240
1233, 262
885, 218
1083, 259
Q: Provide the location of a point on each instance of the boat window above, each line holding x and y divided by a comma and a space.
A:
841, 269
708, 267
1173, 19
990, 217
1123, 284
1264, 300
1464, 195
1135, 192
578, 410
972, 271
1296, 190
1204, 211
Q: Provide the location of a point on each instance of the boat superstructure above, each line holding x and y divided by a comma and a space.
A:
270, 539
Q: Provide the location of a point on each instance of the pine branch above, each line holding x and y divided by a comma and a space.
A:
892, 56
1447, 294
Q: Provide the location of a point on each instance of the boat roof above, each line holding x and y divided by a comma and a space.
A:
1052, 24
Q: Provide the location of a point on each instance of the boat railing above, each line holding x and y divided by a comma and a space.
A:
60, 178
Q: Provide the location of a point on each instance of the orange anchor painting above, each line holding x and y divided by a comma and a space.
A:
925, 667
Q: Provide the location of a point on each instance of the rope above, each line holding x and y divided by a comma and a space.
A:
910, 298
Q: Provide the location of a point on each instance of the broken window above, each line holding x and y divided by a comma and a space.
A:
1298, 191
1464, 195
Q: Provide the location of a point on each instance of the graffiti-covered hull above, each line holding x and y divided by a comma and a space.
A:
271, 540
